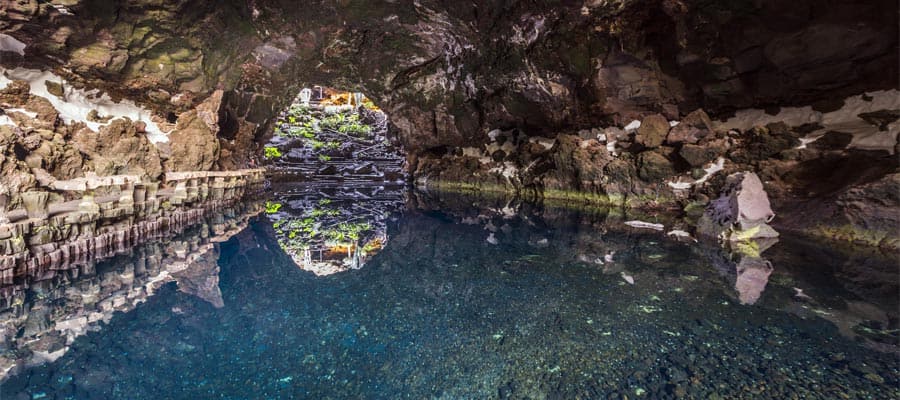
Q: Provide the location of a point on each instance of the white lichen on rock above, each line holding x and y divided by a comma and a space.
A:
77, 104
11, 44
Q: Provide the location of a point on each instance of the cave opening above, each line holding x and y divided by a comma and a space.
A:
338, 176
334, 137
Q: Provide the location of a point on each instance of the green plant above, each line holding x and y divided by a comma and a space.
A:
272, 208
272, 152
324, 158
346, 124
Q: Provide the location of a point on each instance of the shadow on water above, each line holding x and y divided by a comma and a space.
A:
475, 298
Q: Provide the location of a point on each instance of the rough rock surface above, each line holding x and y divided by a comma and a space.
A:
449, 76
741, 213
693, 127
653, 131
118, 149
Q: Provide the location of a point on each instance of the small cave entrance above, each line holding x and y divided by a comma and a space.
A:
338, 178
334, 137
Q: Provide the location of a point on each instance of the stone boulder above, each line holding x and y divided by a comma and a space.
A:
654, 166
699, 155
194, 146
741, 213
653, 131
693, 127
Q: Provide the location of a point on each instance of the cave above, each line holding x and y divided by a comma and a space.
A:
432, 199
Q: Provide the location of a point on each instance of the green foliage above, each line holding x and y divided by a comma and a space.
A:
324, 158
272, 152
306, 129
371, 246
347, 231
272, 208
348, 124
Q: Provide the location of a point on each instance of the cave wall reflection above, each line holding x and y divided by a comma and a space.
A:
43, 311
327, 230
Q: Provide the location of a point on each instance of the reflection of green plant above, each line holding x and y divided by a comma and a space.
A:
371, 246
320, 212
347, 231
272, 208
272, 152
306, 130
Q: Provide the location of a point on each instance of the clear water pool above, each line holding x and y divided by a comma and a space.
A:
467, 299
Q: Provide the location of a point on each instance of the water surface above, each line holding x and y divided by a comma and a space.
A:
473, 299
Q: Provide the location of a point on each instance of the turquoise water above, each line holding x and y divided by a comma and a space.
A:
470, 299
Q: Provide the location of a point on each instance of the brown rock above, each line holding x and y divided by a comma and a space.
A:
194, 145
700, 155
118, 149
653, 131
654, 166
55, 88
693, 127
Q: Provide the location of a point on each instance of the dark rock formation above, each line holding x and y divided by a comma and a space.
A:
216, 74
448, 74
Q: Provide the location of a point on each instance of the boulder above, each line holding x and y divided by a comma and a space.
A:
654, 166
55, 88
693, 127
751, 201
118, 149
741, 213
653, 131
699, 155
194, 145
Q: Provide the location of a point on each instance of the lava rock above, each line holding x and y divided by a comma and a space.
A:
693, 127
653, 131
654, 166
696, 155
832, 140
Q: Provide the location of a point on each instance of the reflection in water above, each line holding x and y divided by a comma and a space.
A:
327, 230
752, 277
43, 312
560, 304
751, 268
856, 291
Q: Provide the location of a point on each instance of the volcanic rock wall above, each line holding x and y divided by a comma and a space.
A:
452, 76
